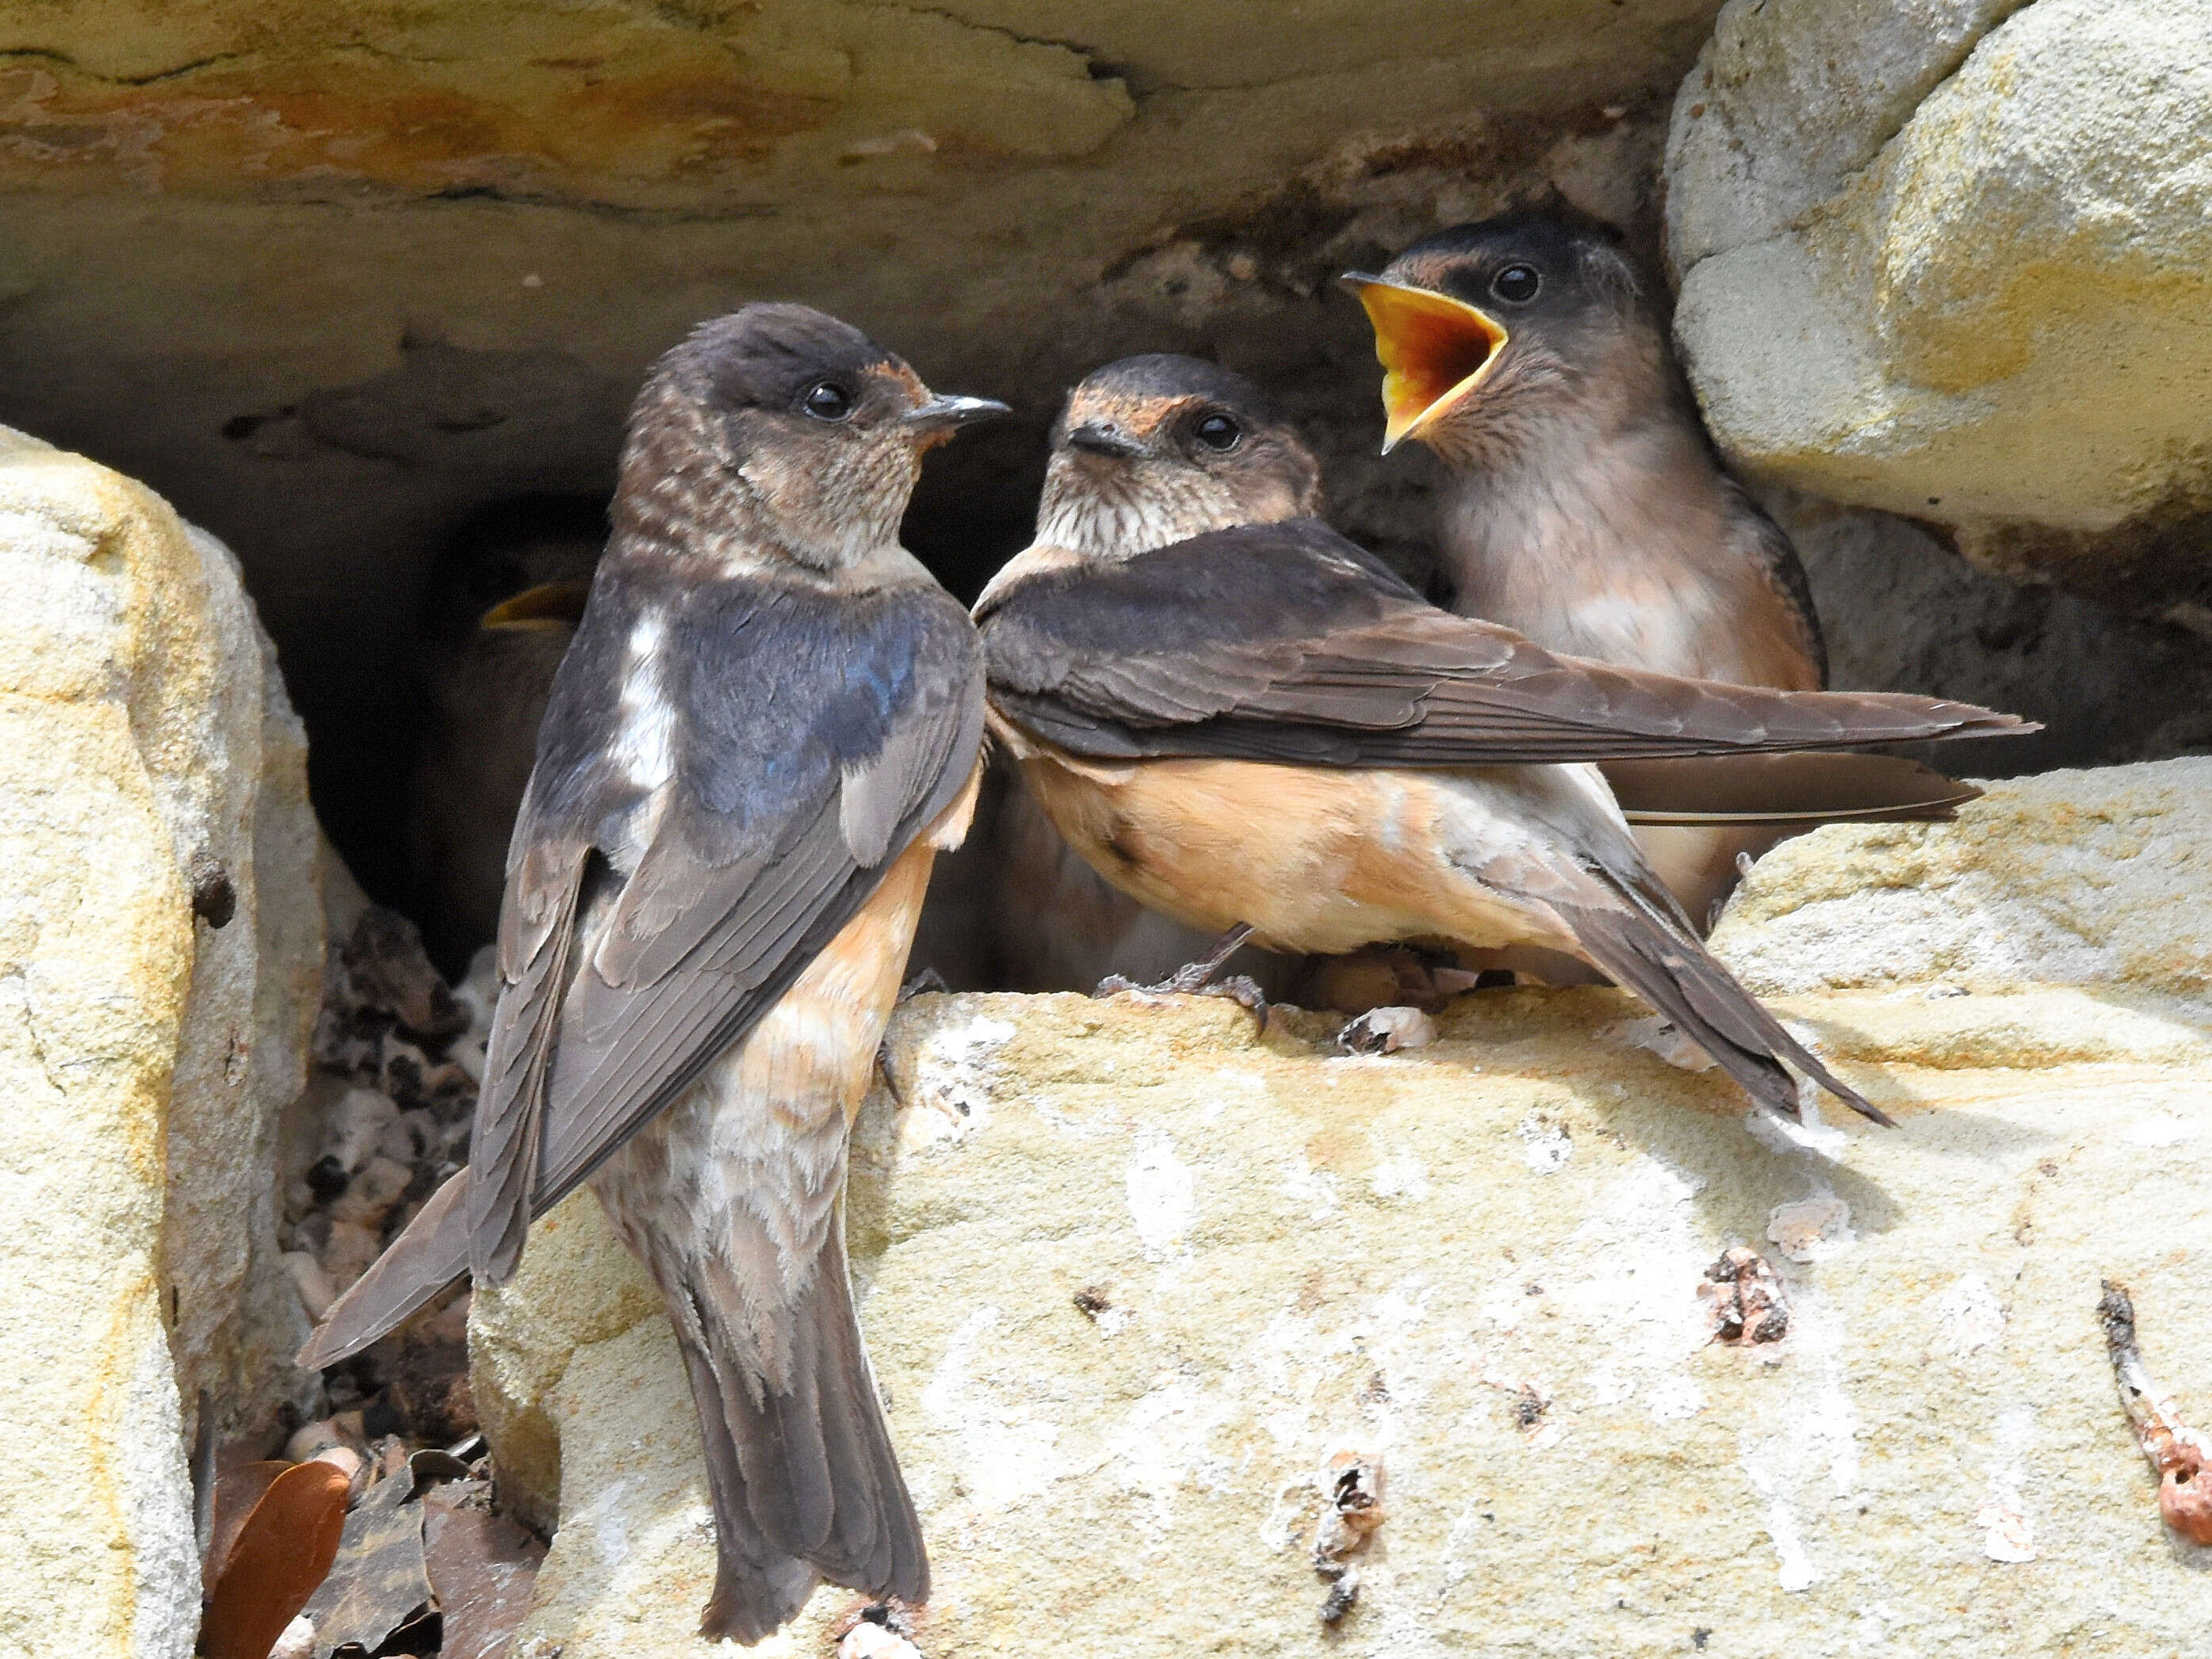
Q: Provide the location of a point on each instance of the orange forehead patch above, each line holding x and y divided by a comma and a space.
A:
896, 372
1134, 414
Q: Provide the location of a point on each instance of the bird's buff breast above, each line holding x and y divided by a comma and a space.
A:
1314, 860
763, 1128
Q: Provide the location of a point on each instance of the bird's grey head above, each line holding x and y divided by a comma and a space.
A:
778, 432
1491, 333
1154, 450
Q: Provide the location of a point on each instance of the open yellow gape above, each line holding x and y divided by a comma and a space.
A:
1434, 351
550, 604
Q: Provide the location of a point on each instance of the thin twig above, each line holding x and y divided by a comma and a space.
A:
2178, 1454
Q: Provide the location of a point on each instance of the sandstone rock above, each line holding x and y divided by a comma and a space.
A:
1950, 260
573, 1295
1132, 1277
2067, 879
160, 958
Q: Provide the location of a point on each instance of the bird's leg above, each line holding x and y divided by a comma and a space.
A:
1200, 978
891, 1078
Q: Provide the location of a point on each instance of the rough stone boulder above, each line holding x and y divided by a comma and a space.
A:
1146, 1292
2099, 879
1953, 259
160, 953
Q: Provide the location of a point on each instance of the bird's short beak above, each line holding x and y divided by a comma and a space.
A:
940, 417
550, 604
1434, 351
1104, 438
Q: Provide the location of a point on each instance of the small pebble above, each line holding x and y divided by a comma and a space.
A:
405, 1067
1664, 1039
326, 1178
374, 1190
356, 1125
340, 1433
1386, 1030
871, 1641
408, 1136
344, 1459
468, 1055
448, 1089
298, 1641
313, 1285
353, 1246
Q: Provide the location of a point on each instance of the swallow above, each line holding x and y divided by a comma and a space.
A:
767, 726
1588, 510
1056, 923
495, 617
1253, 725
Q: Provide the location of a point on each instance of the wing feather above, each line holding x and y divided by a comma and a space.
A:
1286, 642
620, 990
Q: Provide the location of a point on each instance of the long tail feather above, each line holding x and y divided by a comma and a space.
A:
1660, 957
432, 1254
1786, 791
810, 1481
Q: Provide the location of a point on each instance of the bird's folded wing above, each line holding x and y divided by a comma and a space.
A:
1786, 790
1286, 642
756, 862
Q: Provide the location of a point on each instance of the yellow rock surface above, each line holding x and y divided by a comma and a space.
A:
1479, 1262
2062, 878
147, 757
1950, 260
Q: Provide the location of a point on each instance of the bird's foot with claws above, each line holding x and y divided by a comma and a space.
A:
927, 982
1203, 978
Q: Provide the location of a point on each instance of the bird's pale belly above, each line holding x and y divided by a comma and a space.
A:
1314, 860
758, 1144
755, 1148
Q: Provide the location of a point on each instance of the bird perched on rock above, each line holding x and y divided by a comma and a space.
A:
1588, 510
768, 723
1057, 924
1250, 724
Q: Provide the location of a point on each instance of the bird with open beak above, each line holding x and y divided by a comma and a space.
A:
1252, 724
1588, 510
767, 725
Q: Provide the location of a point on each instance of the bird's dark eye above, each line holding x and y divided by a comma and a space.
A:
825, 400
1517, 284
1217, 431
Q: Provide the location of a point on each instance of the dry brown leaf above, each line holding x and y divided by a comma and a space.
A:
378, 1583
483, 1566
237, 1490
277, 1556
